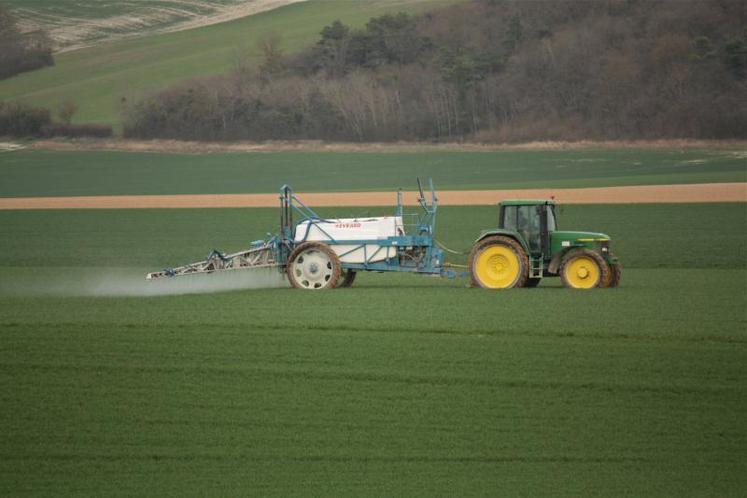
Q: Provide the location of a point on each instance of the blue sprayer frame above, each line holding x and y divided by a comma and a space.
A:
430, 262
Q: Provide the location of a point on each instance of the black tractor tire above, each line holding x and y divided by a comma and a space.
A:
573, 256
615, 275
313, 266
348, 277
498, 241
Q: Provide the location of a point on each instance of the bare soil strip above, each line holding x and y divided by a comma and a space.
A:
709, 192
10, 146
187, 147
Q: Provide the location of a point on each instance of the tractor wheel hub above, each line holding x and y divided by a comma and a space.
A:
497, 263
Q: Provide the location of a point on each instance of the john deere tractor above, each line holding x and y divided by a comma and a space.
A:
527, 246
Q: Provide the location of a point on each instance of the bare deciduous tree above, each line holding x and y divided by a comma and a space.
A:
66, 110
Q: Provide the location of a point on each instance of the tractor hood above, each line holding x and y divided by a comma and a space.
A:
580, 236
561, 240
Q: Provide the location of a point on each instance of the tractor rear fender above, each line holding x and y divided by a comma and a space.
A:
506, 233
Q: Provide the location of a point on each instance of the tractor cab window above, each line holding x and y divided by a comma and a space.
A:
526, 221
529, 226
509, 217
551, 225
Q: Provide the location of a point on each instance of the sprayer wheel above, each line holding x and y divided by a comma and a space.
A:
348, 277
313, 266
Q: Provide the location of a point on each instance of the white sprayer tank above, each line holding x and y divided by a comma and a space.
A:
358, 229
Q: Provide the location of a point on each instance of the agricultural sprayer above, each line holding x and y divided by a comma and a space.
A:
317, 253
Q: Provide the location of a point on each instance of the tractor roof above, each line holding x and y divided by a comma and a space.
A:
526, 202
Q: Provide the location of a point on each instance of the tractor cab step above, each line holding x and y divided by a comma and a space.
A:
536, 267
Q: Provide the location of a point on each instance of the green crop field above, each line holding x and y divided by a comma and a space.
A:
52, 173
400, 385
99, 77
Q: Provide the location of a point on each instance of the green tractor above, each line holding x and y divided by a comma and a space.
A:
527, 246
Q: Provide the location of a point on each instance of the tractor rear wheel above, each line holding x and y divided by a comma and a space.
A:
348, 277
313, 266
498, 262
583, 269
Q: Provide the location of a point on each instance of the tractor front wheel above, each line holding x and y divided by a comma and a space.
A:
313, 266
498, 262
583, 269
614, 277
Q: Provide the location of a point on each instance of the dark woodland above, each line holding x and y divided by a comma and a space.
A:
487, 70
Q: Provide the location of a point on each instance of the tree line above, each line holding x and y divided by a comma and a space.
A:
18, 119
488, 70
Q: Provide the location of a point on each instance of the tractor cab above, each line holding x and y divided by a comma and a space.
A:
527, 246
533, 220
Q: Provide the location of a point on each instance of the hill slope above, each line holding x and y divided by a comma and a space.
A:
97, 78
73, 25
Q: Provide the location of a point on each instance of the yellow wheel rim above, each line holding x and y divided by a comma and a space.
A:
497, 267
582, 273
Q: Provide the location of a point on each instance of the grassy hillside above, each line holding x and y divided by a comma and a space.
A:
50, 173
72, 24
97, 78
399, 385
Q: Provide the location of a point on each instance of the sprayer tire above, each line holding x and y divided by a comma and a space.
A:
498, 262
313, 266
348, 277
